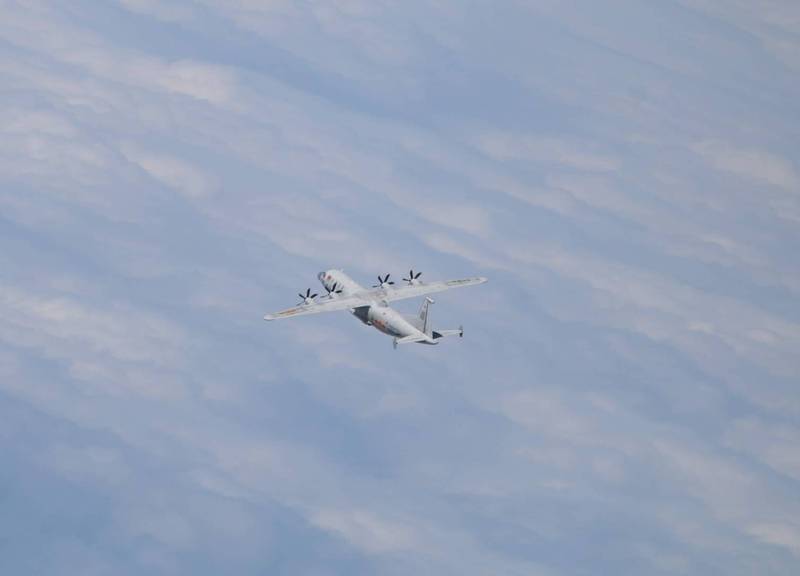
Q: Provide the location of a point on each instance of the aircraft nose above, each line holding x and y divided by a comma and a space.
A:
321, 275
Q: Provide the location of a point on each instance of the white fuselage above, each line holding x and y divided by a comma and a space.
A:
378, 313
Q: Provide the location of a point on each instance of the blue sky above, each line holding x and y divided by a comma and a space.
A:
625, 399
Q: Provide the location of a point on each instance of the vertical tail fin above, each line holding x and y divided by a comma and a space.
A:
423, 313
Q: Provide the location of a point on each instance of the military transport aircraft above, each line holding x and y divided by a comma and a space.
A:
372, 308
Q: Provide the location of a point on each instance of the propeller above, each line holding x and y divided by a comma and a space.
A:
413, 278
308, 297
382, 282
333, 290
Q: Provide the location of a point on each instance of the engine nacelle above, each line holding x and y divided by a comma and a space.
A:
362, 313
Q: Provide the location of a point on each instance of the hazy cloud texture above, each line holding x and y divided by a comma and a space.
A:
625, 399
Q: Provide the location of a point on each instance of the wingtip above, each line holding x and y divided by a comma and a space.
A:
269, 317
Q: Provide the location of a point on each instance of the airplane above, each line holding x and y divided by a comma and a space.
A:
371, 305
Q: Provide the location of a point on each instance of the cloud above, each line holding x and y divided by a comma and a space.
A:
117, 351
733, 494
775, 444
472, 219
169, 11
773, 23
675, 308
547, 151
635, 349
88, 464
751, 163
94, 55
545, 411
365, 531
177, 174
198, 80
783, 535
125, 334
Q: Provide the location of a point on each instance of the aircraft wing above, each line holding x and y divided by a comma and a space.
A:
414, 290
322, 306
368, 297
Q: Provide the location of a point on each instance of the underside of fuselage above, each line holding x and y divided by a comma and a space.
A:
404, 329
386, 320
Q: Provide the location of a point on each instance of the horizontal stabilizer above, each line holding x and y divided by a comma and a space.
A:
414, 338
445, 333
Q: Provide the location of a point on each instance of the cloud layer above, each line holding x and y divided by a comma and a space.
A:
625, 398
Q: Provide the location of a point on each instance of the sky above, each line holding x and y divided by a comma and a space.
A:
625, 399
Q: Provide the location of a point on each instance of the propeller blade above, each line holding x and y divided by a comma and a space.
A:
412, 277
382, 281
307, 297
